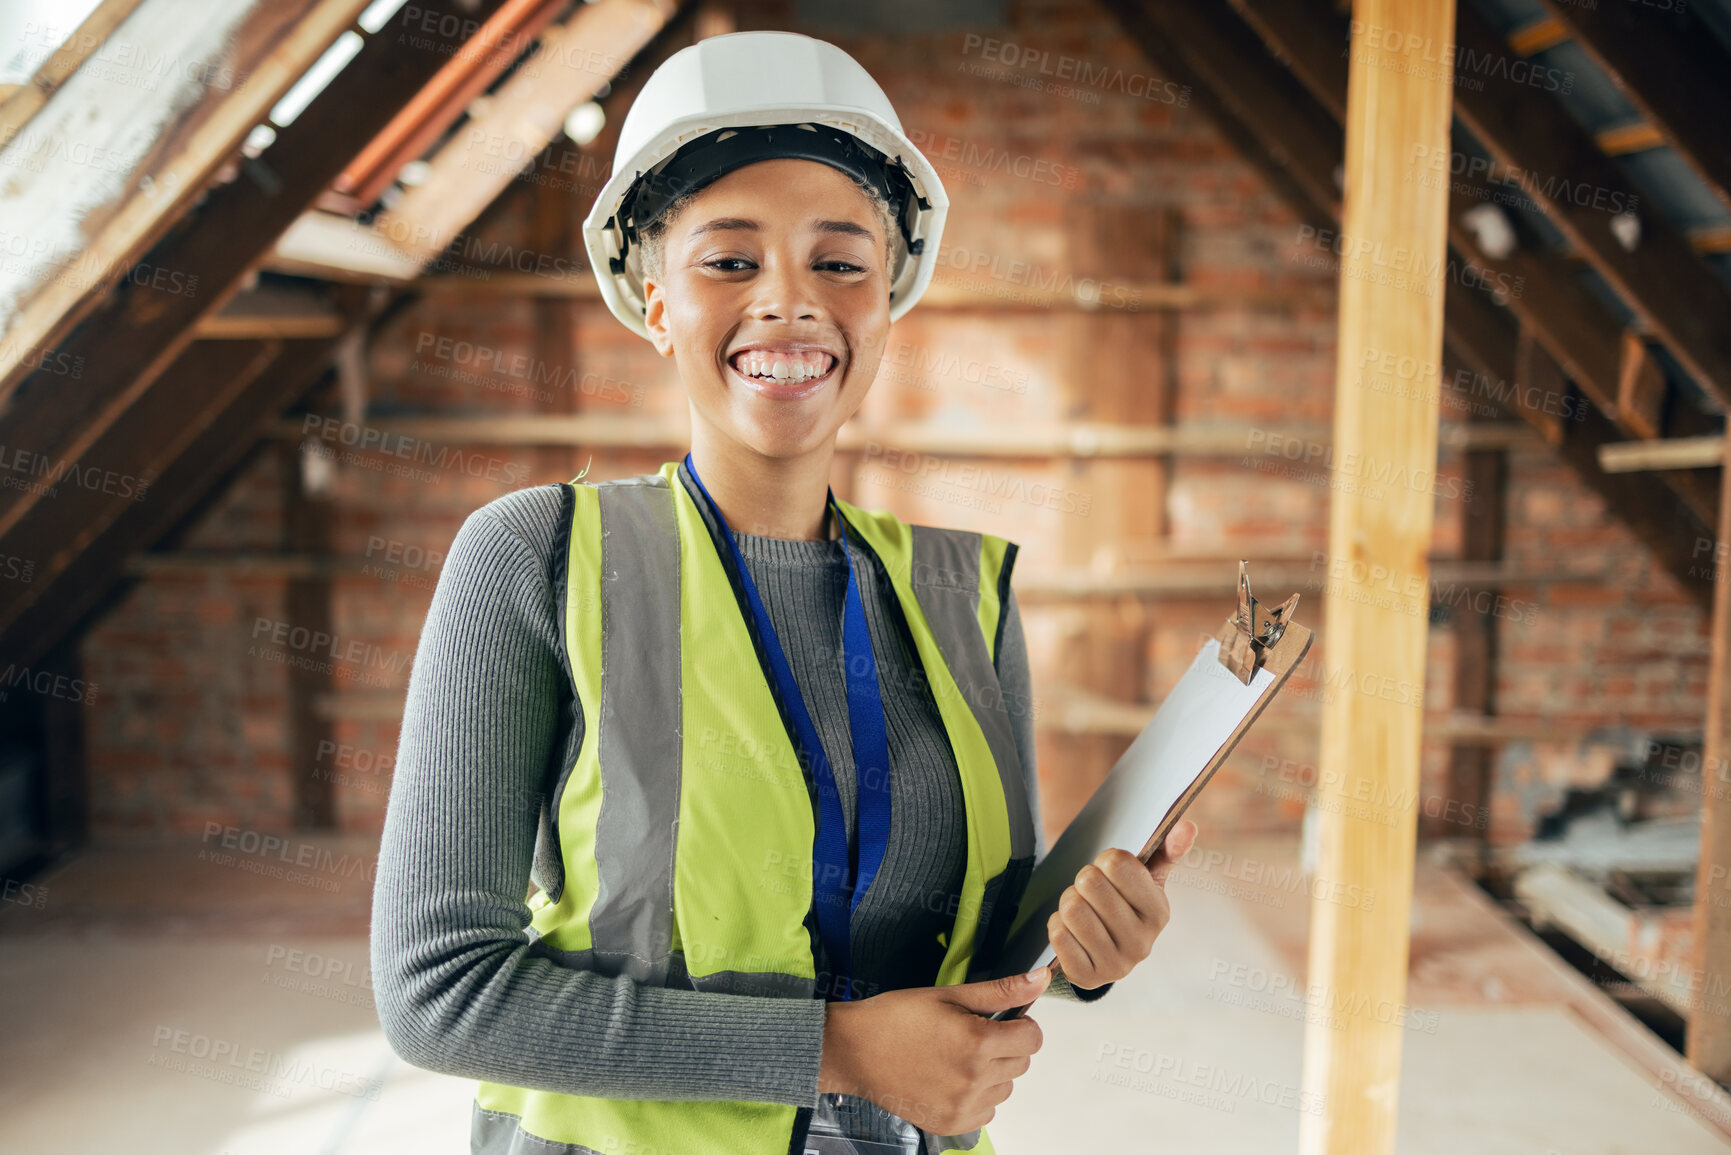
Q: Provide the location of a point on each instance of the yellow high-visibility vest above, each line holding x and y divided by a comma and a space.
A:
687, 785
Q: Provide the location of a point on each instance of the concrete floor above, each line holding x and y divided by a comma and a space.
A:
144, 969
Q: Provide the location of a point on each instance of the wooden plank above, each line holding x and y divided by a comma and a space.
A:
137, 333
524, 114
1613, 932
1535, 37
26, 100
281, 313
1640, 388
1355, 1071
1673, 453
307, 605
1576, 331
1670, 67
119, 470
481, 61
1483, 522
1481, 337
321, 244
1246, 92
91, 221
1628, 138
95, 574
1663, 280
1709, 1036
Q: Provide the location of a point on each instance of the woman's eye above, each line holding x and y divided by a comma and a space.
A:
733, 261
842, 267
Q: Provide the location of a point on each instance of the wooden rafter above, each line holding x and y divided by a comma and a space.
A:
95, 573
1668, 67
1257, 104
1481, 335
526, 113
1552, 306
1546, 151
498, 42
160, 145
139, 332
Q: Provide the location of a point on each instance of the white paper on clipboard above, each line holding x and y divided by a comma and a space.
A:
1197, 718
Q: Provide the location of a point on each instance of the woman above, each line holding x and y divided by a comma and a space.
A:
654, 696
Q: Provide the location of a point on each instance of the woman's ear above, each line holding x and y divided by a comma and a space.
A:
655, 317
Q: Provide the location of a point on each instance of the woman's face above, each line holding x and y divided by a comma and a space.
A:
774, 304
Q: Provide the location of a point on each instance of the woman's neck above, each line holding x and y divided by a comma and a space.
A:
782, 497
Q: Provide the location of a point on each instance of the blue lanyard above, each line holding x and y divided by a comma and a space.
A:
840, 878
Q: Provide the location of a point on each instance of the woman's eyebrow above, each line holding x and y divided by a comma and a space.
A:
720, 224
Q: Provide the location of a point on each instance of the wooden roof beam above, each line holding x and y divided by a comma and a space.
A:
1308, 38
138, 331
1257, 105
88, 220
576, 60
486, 55
1668, 67
1681, 301
91, 570
1546, 296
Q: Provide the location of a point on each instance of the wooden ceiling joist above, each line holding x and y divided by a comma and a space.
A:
1672, 453
133, 341
280, 313
1246, 93
93, 574
1668, 67
493, 48
1545, 32
1662, 279
105, 167
1546, 296
1306, 38
520, 119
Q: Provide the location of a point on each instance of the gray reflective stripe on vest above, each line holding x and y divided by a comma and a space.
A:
640, 748
946, 581
966, 1142
496, 1133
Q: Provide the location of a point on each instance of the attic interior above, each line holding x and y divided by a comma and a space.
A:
289, 290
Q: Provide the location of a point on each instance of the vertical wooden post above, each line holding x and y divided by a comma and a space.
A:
1475, 636
307, 605
1709, 1036
1392, 279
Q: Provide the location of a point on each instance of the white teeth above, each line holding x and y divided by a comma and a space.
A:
793, 368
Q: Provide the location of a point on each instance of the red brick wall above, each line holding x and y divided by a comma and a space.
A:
192, 728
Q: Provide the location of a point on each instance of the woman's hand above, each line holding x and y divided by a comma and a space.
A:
929, 1054
1107, 921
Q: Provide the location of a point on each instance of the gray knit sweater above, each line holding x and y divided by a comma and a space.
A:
489, 723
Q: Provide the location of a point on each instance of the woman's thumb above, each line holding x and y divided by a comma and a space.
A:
1001, 994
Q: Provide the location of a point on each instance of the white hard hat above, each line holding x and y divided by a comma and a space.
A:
782, 94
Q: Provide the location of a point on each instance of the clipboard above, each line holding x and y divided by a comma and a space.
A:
1231, 681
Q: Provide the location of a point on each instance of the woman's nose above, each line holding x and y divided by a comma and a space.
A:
783, 291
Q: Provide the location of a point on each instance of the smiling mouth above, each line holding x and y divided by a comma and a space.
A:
783, 374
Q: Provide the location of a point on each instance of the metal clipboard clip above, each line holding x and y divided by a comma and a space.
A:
1258, 629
